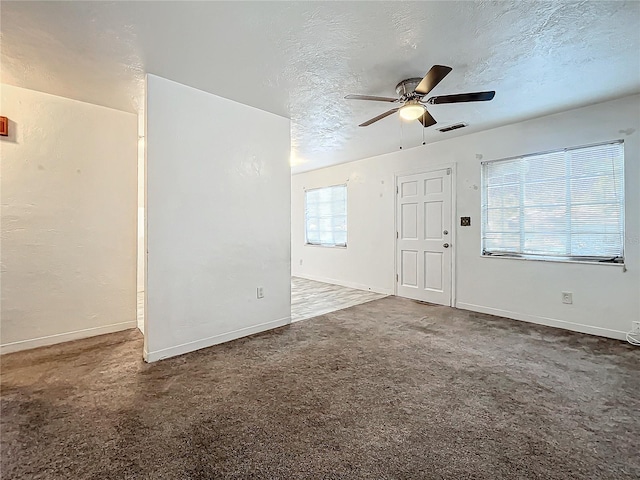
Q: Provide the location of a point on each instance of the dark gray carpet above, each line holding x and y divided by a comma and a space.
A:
388, 389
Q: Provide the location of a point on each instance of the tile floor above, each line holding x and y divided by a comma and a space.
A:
308, 299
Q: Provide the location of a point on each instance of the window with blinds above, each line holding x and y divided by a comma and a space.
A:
566, 205
325, 214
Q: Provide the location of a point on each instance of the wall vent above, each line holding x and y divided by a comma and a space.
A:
455, 126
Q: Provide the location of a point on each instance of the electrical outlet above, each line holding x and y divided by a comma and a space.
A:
260, 292
567, 297
635, 327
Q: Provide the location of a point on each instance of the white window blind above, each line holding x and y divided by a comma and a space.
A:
567, 204
326, 216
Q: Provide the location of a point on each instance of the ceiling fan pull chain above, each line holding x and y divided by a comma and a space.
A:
401, 135
423, 129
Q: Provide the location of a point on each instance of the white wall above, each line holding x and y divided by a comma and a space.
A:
141, 242
218, 219
68, 220
605, 298
141, 252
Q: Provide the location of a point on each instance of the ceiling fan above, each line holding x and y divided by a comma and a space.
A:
412, 93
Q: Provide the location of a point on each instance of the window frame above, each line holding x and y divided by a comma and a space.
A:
597, 260
346, 213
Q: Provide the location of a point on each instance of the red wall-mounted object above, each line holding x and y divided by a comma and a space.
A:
4, 126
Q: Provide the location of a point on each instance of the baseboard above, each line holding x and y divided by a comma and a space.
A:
549, 322
215, 340
65, 337
342, 283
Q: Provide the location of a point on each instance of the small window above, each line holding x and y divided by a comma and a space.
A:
325, 215
561, 205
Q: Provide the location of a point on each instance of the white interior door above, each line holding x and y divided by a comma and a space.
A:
423, 226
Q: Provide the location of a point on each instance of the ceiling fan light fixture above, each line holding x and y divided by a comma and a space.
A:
412, 93
411, 111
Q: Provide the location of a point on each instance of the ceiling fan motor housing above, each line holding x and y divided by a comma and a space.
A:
405, 89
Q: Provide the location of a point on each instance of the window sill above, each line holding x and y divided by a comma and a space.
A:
554, 260
343, 247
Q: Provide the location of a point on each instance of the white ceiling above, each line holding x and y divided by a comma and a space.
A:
299, 59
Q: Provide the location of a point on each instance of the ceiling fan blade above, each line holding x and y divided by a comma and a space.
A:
462, 97
427, 120
379, 117
371, 97
432, 78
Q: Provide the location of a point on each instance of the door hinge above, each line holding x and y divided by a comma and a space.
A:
448, 171
397, 235
397, 278
397, 190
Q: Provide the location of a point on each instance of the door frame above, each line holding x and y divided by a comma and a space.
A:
454, 196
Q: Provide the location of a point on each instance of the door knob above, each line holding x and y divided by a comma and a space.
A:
446, 232
446, 245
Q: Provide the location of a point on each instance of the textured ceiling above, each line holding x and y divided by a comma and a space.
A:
299, 59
